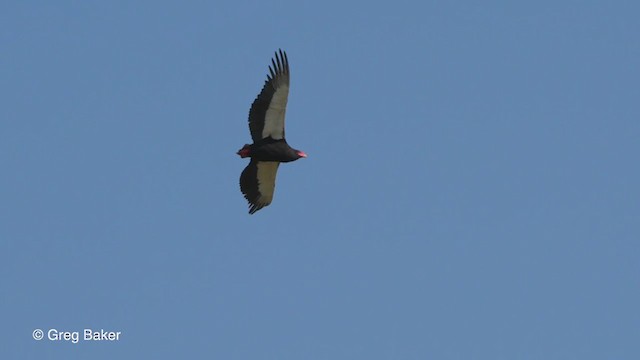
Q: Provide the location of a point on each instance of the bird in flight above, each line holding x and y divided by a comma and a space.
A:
269, 148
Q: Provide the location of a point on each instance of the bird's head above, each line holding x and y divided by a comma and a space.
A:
245, 151
301, 154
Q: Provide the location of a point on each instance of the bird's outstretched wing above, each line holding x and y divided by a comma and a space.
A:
266, 117
258, 182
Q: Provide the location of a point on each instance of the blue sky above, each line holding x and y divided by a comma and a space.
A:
471, 190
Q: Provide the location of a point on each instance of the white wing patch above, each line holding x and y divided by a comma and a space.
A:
274, 118
266, 181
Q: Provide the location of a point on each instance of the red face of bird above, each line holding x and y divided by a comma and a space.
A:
245, 151
301, 154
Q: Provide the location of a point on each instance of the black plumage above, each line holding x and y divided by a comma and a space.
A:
269, 148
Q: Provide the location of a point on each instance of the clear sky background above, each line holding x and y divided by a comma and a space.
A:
471, 190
